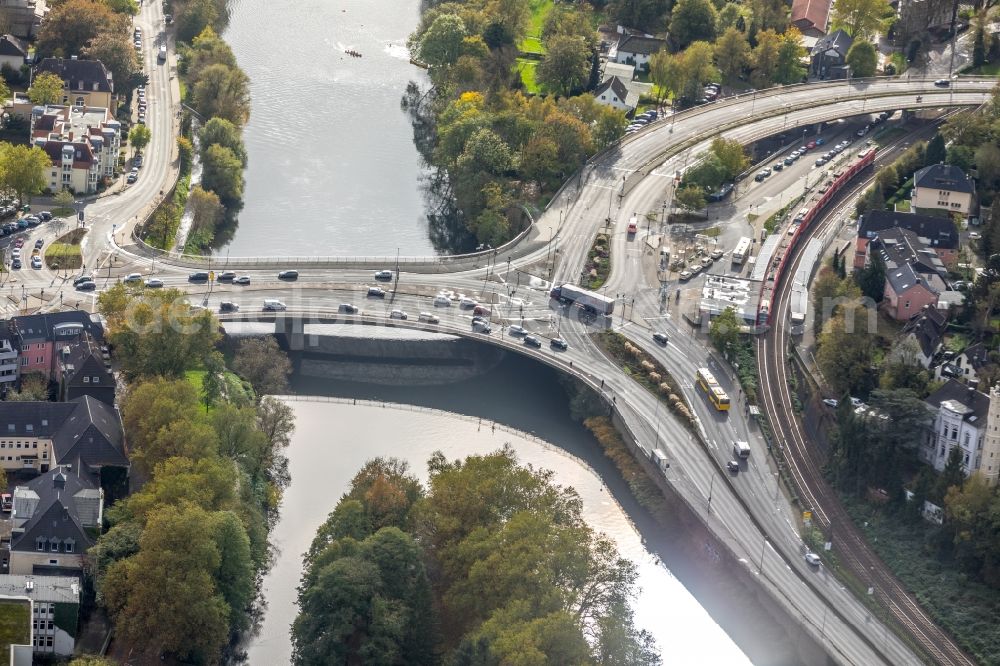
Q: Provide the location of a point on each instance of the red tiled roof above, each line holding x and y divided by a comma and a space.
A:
810, 14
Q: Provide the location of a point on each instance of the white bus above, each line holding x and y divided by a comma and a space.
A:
742, 251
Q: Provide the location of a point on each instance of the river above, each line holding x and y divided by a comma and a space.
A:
333, 440
332, 166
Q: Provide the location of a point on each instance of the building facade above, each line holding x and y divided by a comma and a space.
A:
960, 420
86, 82
55, 609
942, 187
82, 142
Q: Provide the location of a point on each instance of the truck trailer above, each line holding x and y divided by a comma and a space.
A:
588, 300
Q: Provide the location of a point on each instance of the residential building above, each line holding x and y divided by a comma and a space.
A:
39, 435
82, 142
55, 610
829, 55
942, 187
86, 82
8, 362
81, 369
811, 16
938, 233
960, 420
636, 50
22, 16
13, 52
917, 17
615, 93
39, 338
927, 333
965, 365
913, 273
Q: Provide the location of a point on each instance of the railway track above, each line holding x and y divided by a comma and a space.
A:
805, 466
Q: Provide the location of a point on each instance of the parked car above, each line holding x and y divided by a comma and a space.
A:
288, 275
559, 343
383, 275
685, 275
228, 306
39, 243
811, 145
45, 215
789, 161
36, 262
15, 264
348, 308
154, 283
716, 254
721, 193
831, 402
778, 166
812, 559
137, 162
820, 161
532, 341
132, 177
974, 235
515, 329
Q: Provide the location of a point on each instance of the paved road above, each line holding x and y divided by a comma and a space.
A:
746, 512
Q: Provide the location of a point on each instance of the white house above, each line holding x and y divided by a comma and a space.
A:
944, 187
13, 52
636, 50
960, 420
616, 94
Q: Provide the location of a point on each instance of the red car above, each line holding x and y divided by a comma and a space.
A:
19, 242
811, 145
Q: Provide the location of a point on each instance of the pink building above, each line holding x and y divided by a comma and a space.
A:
39, 338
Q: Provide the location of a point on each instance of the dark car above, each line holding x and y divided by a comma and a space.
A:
226, 306
661, 338
288, 275
45, 215
226, 276
86, 286
82, 278
16, 264
532, 341
376, 292
559, 343
348, 308
942, 83
200, 276
39, 243
721, 193
733, 466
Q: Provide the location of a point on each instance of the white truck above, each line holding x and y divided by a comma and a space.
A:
741, 450
588, 300
660, 458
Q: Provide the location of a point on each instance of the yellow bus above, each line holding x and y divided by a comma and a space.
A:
708, 384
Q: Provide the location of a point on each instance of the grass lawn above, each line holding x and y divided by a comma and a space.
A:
539, 12
527, 69
903, 206
15, 625
234, 385
64, 252
989, 69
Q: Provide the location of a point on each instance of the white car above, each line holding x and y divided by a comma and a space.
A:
36, 263
685, 275
397, 314
831, 402
132, 277
813, 559
271, 305
468, 303
429, 318
154, 283
514, 329
243, 279
442, 301
974, 235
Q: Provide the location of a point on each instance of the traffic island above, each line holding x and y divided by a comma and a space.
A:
647, 371
598, 266
64, 252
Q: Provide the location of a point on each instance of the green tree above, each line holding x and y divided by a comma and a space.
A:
988, 164
660, 74
845, 349
224, 133
765, 58
566, 66
871, 278
261, 362
193, 16
862, 58
222, 173
690, 197
154, 609
769, 15
692, 21
724, 331
936, 152
789, 67
206, 209
139, 137
644, 14
222, 92
861, 19
234, 577
24, 169
486, 151
441, 44
118, 54
185, 151
71, 25
90, 660
46, 88
34, 387
213, 383
608, 128
731, 155
732, 54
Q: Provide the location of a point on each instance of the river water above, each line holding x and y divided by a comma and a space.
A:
333, 440
332, 165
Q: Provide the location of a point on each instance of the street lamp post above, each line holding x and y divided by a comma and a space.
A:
710, 487
760, 567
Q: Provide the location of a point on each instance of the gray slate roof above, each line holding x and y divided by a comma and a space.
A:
616, 86
837, 40
940, 232
640, 44
903, 278
78, 493
978, 403
13, 46
928, 330
79, 75
901, 246
56, 324
943, 177
83, 429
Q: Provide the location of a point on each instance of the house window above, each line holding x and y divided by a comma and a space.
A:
48, 641
24, 360
54, 562
97, 379
54, 545
40, 545
29, 428
80, 101
906, 305
966, 439
86, 379
45, 422
39, 359
69, 546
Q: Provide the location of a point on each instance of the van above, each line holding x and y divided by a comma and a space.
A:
6, 502
162, 54
741, 449
272, 305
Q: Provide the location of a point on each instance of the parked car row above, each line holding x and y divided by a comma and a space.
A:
641, 121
